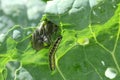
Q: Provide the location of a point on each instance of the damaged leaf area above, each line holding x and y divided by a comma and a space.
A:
88, 50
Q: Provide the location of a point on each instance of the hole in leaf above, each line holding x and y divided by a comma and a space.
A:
16, 34
2, 37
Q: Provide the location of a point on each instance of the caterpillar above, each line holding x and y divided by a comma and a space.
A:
52, 53
42, 36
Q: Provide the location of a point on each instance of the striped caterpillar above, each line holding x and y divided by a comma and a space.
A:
43, 38
52, 53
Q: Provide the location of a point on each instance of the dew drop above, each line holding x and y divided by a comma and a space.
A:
111, 73
83, 41
2, 37
103, 63
16, 34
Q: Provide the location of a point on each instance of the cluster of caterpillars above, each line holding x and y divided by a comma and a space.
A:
42, 37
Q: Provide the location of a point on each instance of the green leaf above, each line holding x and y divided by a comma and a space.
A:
89, 49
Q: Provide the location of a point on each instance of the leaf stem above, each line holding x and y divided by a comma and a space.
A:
97, 40
92, 64
60, 70
115, 46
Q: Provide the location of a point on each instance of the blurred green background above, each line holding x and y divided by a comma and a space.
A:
25, 13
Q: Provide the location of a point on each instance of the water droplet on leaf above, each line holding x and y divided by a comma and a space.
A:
103, 63
111, 73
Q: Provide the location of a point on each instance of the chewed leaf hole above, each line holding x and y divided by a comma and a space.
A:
111, 73
2, 37
16, 34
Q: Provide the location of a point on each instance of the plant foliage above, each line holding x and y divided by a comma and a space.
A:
89, 49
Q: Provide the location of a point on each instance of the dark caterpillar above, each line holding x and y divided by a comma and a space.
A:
52, 53
42, 36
